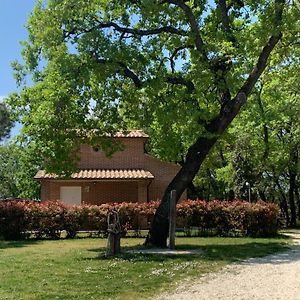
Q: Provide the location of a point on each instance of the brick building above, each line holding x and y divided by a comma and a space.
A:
130, 175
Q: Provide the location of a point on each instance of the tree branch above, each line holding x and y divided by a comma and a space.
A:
141, 32
127, 72
224, 15
232, 107
139, 83
124, 30
180, 80
265, 53
130, 74
218, 68
221, 4
194, 26
124, 70
176, 50
260, 65
265, 126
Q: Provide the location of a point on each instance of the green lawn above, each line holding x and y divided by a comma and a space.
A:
75, 269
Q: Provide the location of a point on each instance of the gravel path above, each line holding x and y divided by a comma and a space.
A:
273, 277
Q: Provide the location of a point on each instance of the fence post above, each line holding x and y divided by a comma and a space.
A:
114, 232
172, 220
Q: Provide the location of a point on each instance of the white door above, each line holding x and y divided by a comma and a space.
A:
70, 195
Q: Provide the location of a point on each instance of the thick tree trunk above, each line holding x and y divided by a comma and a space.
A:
285, 208
297, 200
292, 199
159, 228
293, 184
283, 202
192, 191
262, 195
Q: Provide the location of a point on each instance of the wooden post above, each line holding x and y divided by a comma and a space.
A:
172, 220
114, 234
113, 244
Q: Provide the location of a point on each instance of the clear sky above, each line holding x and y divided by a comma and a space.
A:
13, 16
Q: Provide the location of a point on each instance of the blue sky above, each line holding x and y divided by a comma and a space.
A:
13, 16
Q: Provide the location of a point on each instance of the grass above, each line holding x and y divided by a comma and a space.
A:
75, 269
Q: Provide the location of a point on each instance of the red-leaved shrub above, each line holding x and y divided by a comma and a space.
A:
48, 219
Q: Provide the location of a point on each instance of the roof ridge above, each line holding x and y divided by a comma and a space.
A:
133, 133
100, 174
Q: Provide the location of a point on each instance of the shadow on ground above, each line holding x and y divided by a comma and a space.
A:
228, 253
17, 244
291, 256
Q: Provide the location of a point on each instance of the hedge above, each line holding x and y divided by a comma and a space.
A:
49, 219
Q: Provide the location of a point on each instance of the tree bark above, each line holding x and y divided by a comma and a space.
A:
262, 195
292, 199
196, 154
283, 202
297, 200
293, 184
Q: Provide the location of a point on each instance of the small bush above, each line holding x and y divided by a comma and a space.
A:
12, 219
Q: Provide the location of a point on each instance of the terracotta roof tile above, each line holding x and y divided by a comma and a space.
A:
131, 134
119, 134
101, 174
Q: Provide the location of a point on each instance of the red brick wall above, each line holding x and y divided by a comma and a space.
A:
95, 192
163, 172
46, 191
133, 157
115, 192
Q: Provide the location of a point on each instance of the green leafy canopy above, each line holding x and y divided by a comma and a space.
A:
166, 66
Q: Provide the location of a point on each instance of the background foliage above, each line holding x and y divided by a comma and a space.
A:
17, 169
5, 121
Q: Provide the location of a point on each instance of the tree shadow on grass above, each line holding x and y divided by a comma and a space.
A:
290, 256
17, 244
221, 252
238, 252
142, 257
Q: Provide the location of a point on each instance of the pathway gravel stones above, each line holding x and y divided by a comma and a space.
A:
274, 277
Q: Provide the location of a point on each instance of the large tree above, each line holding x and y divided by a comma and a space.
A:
17, 170
5, 121
184, 68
